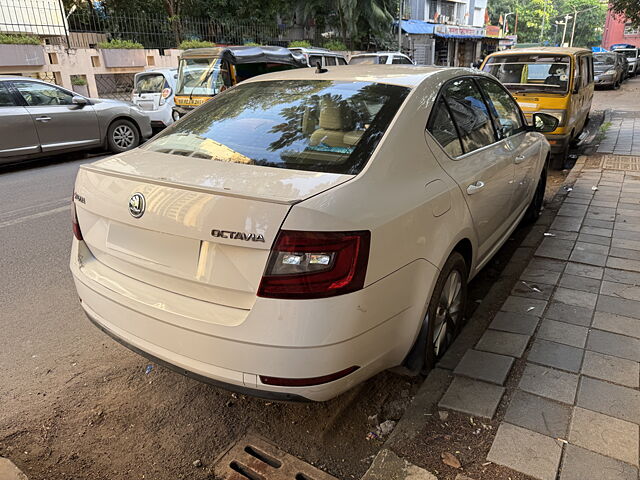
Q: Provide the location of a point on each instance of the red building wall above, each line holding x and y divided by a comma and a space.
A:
614, 32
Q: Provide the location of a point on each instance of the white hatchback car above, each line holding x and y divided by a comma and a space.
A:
380, 58
306, 230
153, 93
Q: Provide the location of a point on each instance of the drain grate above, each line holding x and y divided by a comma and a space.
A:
621, 162
252, 458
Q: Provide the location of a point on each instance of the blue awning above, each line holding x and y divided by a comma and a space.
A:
417, 27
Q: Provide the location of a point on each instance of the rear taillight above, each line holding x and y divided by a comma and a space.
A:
315, 264
74, 221
166, 93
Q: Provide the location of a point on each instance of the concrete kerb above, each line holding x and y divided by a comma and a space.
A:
439, 379
8, 471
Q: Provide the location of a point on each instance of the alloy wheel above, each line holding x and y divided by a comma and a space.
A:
123, 136
448, 313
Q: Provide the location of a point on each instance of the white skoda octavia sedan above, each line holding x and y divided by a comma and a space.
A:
307, 229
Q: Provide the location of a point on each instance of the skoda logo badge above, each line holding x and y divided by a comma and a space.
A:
137, 205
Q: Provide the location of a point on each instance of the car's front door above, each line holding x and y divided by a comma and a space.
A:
515, 143
483, 174
18, 135
61, 124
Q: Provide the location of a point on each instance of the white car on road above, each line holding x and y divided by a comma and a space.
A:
153, 93
304, 231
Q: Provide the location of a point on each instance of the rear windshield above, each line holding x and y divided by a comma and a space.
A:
364, 60
604, 59
316, 125
531, 72
151, 83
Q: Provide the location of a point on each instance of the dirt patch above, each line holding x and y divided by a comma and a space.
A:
114, 423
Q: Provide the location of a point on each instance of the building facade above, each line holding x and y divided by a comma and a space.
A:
618, 30
443, 32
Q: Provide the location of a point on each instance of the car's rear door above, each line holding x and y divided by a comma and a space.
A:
18, 135
61, 124
483, 172
515, 142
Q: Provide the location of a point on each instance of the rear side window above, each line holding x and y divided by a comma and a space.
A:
6, 98
382, 60
470, 114
150, 83
443, 130
315, 125
364, 60
330, 60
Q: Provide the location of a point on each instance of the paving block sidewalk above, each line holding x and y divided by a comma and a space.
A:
620, 138
574, 317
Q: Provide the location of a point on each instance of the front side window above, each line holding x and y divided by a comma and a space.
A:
6, 98
470, 114
503, 107
531, 72
341, 61
443, 130
38, 94
314, 125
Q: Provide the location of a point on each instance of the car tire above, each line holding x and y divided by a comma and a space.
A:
445, 313
534, 210
122, 135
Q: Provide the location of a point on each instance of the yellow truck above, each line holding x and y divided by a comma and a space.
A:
557, 81
205, 72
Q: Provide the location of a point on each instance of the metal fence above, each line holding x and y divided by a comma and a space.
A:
85, 28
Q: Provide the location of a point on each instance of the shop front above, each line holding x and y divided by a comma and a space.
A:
457, 46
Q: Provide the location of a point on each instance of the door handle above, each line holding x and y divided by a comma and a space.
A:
475, 187
43, 119
520, 159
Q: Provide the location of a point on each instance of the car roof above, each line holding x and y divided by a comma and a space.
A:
18, 77
404, 75
377, 53
318, 50
559, 50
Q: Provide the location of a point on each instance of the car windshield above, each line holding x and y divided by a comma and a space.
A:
199, 76
364, 60
604, 59
316, 125
149, 83
630, 53
531, 72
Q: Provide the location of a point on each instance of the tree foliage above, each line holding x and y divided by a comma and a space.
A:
532, 14
628, 8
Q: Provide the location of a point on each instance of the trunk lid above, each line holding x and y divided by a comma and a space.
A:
207, 226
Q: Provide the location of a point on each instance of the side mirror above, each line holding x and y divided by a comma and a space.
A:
544, 123
80, 101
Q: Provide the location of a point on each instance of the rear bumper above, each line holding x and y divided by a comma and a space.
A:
302, 342
160, 118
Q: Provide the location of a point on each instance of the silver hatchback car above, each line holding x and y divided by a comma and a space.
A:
39, 119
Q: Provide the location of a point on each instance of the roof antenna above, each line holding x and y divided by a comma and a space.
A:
319, 68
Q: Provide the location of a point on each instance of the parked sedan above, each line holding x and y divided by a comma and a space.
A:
609, 69
305, 230
39, 119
